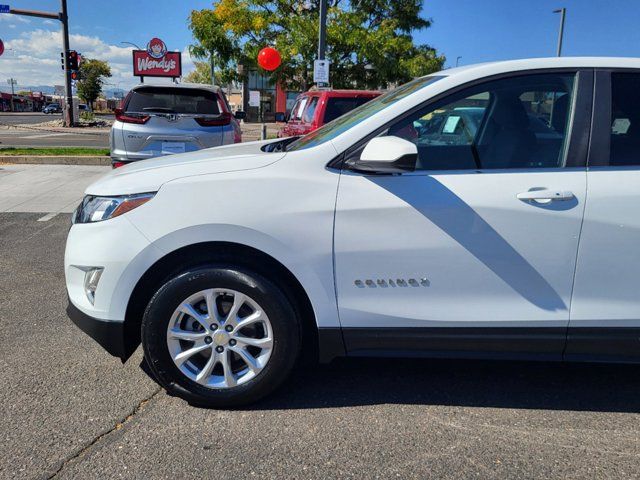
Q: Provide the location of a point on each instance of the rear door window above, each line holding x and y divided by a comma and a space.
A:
173, 100
625, 119
337, 106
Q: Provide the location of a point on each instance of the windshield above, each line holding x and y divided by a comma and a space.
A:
173, 100
296, 111
341, 124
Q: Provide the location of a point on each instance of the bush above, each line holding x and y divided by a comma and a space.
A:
87, 116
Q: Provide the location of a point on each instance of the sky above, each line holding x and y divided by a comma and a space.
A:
476, 30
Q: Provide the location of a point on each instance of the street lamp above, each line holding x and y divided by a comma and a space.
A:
563, 13
13, 82
132, 44
458, 60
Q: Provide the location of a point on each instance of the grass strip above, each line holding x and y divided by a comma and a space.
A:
55, 151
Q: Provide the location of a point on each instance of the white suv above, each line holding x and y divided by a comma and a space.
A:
397, 229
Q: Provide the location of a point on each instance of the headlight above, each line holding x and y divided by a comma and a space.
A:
97, 209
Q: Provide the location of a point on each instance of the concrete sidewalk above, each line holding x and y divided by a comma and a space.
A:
45, 188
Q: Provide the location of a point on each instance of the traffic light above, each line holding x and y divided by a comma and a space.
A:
73, 60
75, 75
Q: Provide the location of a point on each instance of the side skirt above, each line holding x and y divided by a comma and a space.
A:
619, 345
612, 345
453, 342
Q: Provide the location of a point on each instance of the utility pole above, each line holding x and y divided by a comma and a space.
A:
563, 13
63, 17
322, 32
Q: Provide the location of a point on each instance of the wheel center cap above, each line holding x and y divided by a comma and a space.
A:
221, 338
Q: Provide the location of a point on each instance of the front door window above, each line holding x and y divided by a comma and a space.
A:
520, 122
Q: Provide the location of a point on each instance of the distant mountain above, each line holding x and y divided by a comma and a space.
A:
46, 89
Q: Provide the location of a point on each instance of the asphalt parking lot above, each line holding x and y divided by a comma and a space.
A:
22, 137
71, 411
34, 136
22, 130
25, 118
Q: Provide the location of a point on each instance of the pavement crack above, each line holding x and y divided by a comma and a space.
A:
120, 424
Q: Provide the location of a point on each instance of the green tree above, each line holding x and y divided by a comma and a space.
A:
202, 73
215, 44
369, 42
91, 78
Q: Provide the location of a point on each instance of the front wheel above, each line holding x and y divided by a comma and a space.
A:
220, 337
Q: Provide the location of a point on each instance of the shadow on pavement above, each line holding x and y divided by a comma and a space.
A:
359, 382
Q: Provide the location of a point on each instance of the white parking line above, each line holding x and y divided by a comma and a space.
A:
47, 217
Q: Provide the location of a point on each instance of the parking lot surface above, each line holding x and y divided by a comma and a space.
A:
25, 118
69, 410
30, 134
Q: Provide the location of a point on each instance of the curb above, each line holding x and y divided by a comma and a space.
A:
55, 160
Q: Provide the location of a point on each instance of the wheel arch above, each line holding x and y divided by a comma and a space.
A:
233, 254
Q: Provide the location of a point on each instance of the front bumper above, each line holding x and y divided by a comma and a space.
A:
109, 334
118, 247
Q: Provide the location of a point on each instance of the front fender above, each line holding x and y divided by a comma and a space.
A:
315, 277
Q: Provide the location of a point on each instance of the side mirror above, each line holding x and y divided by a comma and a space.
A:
388, 154
281, 117
240, 115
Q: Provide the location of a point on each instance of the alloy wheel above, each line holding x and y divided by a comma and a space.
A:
219, 338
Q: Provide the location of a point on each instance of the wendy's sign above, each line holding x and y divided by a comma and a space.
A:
156, 61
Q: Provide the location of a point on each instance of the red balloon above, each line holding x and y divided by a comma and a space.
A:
269, 58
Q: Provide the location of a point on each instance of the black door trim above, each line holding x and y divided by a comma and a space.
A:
599, 344
545, 343
603, 344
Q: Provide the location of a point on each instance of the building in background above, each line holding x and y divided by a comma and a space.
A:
25, 102
273, 98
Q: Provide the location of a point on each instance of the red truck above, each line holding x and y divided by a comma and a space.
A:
315, 108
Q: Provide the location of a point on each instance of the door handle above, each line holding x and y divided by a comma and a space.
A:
545, 196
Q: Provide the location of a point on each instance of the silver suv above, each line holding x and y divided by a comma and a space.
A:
157, 120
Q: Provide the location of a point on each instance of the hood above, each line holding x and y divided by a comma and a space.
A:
149, 175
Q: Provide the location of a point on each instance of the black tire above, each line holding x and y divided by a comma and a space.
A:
282, 316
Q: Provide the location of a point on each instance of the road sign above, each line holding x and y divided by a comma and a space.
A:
254, 98
321, 71
1, 47
4, 8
